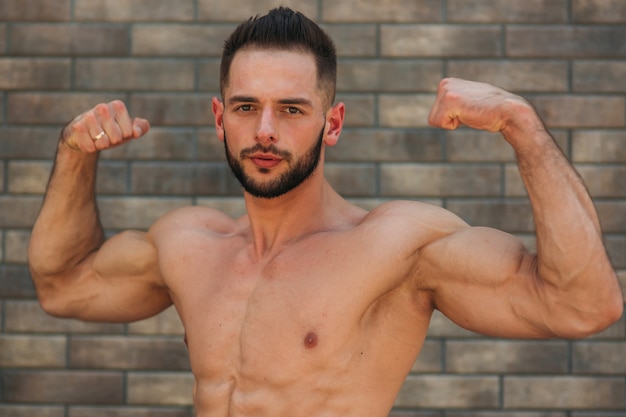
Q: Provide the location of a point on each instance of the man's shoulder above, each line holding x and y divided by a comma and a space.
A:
194, 218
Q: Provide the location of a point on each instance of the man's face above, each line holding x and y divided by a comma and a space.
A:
274, 115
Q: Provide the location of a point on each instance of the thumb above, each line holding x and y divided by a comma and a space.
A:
140, 127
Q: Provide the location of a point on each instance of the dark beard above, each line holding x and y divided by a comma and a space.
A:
286, 181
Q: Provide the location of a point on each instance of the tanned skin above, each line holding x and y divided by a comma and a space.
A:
308, 305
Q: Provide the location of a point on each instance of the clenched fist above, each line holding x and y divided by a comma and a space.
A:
104, 126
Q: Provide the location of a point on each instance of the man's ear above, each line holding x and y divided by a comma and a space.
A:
218, 110
334, 123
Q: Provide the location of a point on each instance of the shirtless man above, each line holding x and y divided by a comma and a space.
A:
307, 305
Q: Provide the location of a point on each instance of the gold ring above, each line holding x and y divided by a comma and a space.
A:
99, 136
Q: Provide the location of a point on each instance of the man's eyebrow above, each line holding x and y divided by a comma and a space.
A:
297, 101
290, 100
242, 99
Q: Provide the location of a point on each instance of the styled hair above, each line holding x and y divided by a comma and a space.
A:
284, 29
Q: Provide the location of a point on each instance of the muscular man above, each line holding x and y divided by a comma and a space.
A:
308, 305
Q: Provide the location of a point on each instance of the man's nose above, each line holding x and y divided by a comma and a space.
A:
266, 129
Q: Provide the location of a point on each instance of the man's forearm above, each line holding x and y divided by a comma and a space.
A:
67, 228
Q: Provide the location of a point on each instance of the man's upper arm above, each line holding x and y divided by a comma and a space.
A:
120, 282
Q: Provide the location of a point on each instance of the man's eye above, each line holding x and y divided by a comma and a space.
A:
293, 110
244, 107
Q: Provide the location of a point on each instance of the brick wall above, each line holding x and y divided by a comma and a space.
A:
60, 57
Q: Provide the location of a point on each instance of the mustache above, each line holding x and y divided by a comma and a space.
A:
272, 149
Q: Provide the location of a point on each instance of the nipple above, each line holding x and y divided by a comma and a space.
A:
310, 340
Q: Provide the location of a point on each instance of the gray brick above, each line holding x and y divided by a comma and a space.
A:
124, 411
512, 216
17, 211
54, 387
28, 317
158, 144
440, 41
354, 40
430, 359
139, 74
604, 181
602, 393
239, 10
393, 11
373, 75
401, 413
20, 410
160, 388
352, 179
585, 357
232, 206
209, 75
581, 111
409, 110
28, 142
178, 39
34, 74
599, 146
136, 212
360, 109
449, 391
175, 109
494, 356
39, 10
210, 148
16, 246
28, 351
51, 108
599, 11
507, 11
469, 145
3, 39
28, 177
60, 39
601, 76
112, 178
187, 178
610, 213
437, 180
374, 145
133, 10
123, 352
616, 249
521, 76
561, 41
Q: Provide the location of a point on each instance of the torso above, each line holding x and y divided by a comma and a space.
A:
329, 325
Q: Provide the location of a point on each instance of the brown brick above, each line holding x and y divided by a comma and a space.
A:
209, 75
35, 10
210, 148
599, 146
392, 11
174, 109
76, 40
28, 142
517, 76
469, 145
383, 145
360, 109
440, 41
124, 411
178, 40
354, 40
20, 410
599, 11
585, 357
133, 10
373, 75
28, 317
409, 110
232, 206
601, 393
124, 352
80, 387
448, 391
160, 388
352, 179
511, 216
581, 111
15, 282
187, 178
18, 211
34, 74
144, 74
436, 180
494, 356
611, 215
616, 249
560, 41
165, 323
238, 10
112, 178
507, 11
604, 181
158, 144
28, 177
401, 413
16, 246
51, 108
21, 351
136, 212
599, 76
621, 276
507, 413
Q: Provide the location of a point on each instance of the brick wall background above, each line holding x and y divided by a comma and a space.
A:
60, 57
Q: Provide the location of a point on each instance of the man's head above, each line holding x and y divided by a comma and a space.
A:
284, 29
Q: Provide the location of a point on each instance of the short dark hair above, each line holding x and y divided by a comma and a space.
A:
284, 29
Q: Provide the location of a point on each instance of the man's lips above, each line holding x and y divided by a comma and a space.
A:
265, 160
